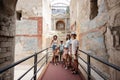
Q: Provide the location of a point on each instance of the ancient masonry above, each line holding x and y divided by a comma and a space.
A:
7, 32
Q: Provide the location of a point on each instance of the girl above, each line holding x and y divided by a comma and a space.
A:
56, 57
54, 44
65, 57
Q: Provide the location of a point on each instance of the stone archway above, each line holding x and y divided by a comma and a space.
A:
60, 25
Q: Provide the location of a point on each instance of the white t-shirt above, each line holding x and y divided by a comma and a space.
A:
75, 44
67, 43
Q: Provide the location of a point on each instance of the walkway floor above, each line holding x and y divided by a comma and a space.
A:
57, 72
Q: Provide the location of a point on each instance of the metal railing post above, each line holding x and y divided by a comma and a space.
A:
47, 56
35, 66
88, 67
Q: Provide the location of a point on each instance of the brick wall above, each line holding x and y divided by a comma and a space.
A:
7, 32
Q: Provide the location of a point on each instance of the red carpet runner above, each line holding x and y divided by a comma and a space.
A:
57, 72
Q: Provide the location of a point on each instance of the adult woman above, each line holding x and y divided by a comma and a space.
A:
54, 44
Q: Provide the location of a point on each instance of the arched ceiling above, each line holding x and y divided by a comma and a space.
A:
60, 6
60, 2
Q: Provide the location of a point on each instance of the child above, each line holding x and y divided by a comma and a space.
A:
65, 56
61, 47
56, 57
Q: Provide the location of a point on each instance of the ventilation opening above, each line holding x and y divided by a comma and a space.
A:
93, 8
18, 15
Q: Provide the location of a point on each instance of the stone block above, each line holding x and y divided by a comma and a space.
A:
3, 28
8, 49
8, 58
10, 39
3, 39
6, 63
2, 60
4, 50
5, 44
6, 75
5, 54
0, 50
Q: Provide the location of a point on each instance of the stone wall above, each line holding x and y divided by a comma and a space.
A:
31, 8
112, 35
27, 37
7, 36
98, 28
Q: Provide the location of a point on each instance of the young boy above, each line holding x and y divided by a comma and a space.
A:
61, 47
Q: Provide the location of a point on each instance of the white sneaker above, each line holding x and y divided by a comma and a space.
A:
66, 68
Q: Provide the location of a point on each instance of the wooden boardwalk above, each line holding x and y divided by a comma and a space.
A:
57, 72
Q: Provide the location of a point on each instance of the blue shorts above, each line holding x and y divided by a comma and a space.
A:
54, 47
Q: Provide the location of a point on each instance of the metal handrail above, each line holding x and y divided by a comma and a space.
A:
89, 66
36, 61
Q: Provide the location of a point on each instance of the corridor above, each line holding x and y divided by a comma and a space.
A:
57, 72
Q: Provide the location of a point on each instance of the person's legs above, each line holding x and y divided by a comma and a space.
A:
61, 53
75, 65
53, 58
60, 56
57, 57
70, 62
66, 61
63, 62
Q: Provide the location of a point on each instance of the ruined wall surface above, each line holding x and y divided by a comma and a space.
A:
26, 36
112, 35
7, 36
30, 8
98, 29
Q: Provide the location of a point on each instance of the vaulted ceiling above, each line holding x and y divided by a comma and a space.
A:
60, 2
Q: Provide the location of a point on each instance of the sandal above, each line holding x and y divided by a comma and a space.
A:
74, 72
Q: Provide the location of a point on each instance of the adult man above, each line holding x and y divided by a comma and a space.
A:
74, 49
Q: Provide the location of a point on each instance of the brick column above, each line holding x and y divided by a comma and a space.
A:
7, 37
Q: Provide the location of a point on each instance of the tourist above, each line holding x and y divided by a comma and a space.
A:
65, 56
74, 48
56, 56
54, 44
68, 43
61, 47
